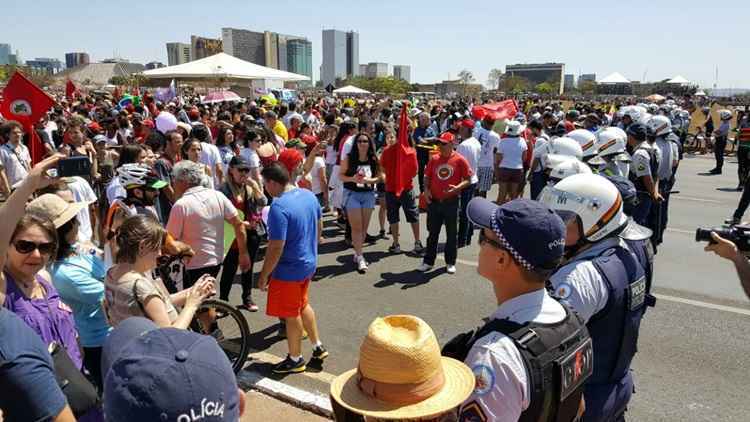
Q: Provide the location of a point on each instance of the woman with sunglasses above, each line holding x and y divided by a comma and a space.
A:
360, 172
191, 150
247, 196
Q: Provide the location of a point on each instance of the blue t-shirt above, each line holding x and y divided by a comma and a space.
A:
294, 218
79, 280
27, 380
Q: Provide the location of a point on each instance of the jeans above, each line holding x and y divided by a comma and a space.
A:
465, 228
441, 213
719, 146
423, 157
538, 182
231, 261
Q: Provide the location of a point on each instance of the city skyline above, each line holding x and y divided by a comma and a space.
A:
649, 48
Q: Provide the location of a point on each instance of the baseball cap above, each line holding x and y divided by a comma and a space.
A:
94, 127
149, 123
290, 158
467, 123
446, 138
239, 161
295, 143
530, 231
153, 373
98, 139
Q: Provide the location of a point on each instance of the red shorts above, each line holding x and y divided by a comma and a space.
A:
287, 299
506, 175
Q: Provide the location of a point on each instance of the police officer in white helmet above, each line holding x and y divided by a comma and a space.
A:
604, 281
611, 146
669, 146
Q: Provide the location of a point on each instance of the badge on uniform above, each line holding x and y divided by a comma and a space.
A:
575, 368
563, 291
637, 293
641, 167
485, 379
472, 412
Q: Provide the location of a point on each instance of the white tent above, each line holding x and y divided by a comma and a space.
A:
700, 94
350, 90
614, 78
224, 66
678, 80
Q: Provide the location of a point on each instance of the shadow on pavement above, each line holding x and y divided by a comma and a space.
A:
728, 190
408, 279
267, 337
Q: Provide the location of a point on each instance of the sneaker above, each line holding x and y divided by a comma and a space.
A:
319, 353
714, 171
361, 265
370, 239
424, 267
418, 248
249, 306
382, 235
740, 188
288, 366
396, 248
450, 269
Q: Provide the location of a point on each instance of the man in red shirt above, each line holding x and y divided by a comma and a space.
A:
446, 175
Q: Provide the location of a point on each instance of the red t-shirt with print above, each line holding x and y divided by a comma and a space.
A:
444, 172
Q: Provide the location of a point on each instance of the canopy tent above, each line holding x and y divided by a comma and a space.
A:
614, 78
222, 66
700, 94
679, 80
350, 90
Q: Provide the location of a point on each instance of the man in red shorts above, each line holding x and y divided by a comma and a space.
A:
294, 224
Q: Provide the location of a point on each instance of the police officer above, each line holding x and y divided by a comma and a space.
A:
514, 357
668, 145
604, 282
611, 146
643, 167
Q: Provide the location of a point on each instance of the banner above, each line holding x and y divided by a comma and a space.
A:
26, 103
498, 111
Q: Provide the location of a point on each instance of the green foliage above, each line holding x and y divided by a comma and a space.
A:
389, 85
466, 77
515, 85
587, 87
118, 80
545, 88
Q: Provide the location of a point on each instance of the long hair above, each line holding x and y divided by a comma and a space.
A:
372, 157
343, 132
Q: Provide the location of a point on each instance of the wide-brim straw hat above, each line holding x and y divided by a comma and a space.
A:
58, 210
401, 351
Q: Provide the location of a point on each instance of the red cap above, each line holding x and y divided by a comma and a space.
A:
194, 113
446, 138
290, 158
467, 123
489, 119
149, 123
94, 127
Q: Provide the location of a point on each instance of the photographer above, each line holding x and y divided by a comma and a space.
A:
728, 250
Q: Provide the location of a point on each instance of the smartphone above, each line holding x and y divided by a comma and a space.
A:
74, 166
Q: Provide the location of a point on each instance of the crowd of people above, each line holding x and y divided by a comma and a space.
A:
80, 255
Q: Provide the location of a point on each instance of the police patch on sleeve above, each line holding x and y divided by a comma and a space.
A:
563, 291
485, 379
472, 412
641, 167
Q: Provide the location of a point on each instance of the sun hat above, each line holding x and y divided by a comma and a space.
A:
529, 230
58, 210
160, 374
401, 374
514, 128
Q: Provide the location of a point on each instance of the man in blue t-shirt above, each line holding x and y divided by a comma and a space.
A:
294, 225
27, 380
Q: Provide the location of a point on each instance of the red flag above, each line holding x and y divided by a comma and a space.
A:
400, 158
26, 103
70, 90
498, 111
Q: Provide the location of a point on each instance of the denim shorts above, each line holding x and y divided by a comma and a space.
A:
355, 199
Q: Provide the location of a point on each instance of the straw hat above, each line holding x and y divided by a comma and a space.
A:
55, 208
401, 374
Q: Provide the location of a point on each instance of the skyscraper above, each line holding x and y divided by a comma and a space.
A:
377, 70
201, 47
4, 53
178, 53
402, 72
76, 59
299, 57
246, 45
340, 55
570, 81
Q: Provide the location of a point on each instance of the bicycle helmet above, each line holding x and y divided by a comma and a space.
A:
133, 175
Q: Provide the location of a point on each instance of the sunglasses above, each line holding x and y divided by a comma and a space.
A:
363, 141
242, 170
484, 239
26, 247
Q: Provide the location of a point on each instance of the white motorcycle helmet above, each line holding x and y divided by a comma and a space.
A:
568, 168
653, 108
611, 141
592, 199
586, 139
133, 174
566, 146
725, 114
551, 161
645, 117
633, 112
659, 125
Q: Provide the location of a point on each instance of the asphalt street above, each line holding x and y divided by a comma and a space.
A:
694, 345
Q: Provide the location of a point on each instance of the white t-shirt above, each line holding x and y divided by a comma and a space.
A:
211, 156
541, 149
330, 154
16, 162
115, 190
315, 175
489, 141
251, 156
82, 192
512, 150
470, 149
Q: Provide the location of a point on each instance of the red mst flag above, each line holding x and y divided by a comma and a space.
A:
498, 111
26, 103
70, 90
400, 158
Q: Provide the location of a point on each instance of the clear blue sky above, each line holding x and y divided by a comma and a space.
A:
437, 38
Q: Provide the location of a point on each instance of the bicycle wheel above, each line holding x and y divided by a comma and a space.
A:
230, 329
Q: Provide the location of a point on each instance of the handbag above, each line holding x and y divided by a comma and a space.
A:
79, 391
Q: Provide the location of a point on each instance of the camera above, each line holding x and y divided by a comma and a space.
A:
739, 235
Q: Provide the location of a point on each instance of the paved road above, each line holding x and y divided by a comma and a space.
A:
692, 364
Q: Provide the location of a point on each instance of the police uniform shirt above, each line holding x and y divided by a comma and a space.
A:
616, 168
668, 153
502, 389
640, 164
579, 284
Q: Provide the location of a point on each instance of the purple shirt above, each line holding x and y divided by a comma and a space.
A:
50, 318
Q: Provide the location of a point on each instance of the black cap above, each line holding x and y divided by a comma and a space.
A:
239, 161
637, 131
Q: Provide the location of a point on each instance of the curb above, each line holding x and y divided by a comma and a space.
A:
294, 396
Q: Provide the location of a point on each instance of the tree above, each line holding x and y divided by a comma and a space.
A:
388, 85
493, 79
587, 87
466, 77
545, 88
118, 80
515, 84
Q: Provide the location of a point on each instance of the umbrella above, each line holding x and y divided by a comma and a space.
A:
655, 98
220, 96
165, 122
